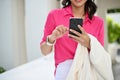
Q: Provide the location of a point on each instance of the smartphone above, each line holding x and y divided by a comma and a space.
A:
73, 24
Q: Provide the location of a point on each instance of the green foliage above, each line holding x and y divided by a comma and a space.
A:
113, 31
113, 10
2, 70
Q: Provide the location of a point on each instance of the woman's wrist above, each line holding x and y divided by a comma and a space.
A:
50, 40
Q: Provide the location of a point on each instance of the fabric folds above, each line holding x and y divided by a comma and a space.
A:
93, 65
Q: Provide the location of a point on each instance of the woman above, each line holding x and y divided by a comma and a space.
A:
57, 28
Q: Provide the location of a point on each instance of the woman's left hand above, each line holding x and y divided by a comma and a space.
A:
81, 38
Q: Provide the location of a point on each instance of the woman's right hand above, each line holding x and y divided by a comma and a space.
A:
58, 32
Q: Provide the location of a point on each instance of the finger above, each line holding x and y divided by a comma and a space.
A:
58, 32
64, 29
59, 29
75, 32
81, 28
67, 31
83, 36
77, 39
73, 36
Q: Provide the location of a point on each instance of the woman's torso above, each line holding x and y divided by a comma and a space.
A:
65, 47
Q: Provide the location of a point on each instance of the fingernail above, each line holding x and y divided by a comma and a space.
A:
70, 29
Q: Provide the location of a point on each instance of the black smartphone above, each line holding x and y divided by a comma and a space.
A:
73, 24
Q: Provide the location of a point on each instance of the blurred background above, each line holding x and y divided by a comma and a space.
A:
21, 30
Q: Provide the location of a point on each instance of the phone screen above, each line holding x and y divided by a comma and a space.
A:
73, 24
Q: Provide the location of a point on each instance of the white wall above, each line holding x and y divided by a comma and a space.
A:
6, 50
36, 13
18, 27
12, 35
13, 39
